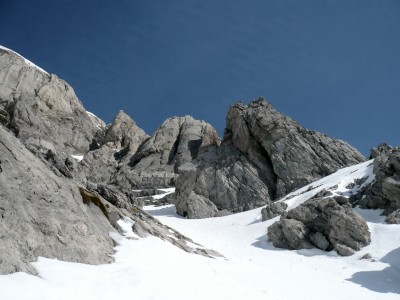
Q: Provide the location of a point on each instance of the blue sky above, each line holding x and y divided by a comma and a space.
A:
334, 66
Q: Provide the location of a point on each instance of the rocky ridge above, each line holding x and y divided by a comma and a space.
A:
264, 155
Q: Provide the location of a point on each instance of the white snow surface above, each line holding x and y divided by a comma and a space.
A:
28, 62
99, 123
78, 157
166, 191
252, 268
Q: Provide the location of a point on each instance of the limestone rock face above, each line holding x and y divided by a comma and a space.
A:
124, 133
264, 156
384, 192
120, 141
324, 223
42, 214
43, 110
297, 156
174, 143
223, 176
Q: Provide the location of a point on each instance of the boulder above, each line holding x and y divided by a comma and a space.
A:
273, 210
327, 225
393, 217
289, 234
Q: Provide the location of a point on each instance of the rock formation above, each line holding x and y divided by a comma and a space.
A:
384, 192
264, 156
54, 206
155, 164
44, 215
325, 223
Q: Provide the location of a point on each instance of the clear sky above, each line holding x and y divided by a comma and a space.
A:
334, 66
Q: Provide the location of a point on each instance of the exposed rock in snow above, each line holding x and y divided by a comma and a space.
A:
384, 192
273, 210
327, 223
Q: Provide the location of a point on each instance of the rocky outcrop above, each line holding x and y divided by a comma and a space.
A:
264, 155
43, 110
273, 210
120, 141
294, 155
124, 134
220, 178
44, 215
384, 192
324, 223
177, 141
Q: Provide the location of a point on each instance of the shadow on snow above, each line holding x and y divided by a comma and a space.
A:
383, 281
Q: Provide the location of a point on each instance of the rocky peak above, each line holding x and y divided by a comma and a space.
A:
123, 132
174, 143
43, 110
177, 141
298, 156
280, 153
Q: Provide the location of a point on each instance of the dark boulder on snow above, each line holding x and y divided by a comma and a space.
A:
393, 217
264, 156
323, 223
273, 210
384, 192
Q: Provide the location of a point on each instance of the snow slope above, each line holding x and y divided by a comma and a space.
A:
150, 268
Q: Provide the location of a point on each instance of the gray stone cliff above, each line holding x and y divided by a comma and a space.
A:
264, 156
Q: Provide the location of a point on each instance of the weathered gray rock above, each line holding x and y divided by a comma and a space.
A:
289, 234
381, 149
224, 176
297, 156
44, 112
42, 211
124, 133
44, 215
393, 217
344, 250
327, 225
273, 210
384, 192
197, 207
174, 143
264, 155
